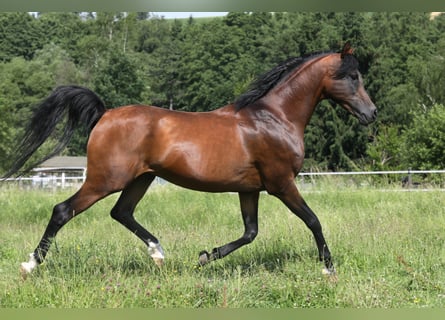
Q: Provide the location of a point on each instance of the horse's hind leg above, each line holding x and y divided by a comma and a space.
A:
123, 213
62, 213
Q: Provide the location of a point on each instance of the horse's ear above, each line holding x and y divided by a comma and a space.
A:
347, 49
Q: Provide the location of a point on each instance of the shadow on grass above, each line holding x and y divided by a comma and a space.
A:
252, 263
92, 259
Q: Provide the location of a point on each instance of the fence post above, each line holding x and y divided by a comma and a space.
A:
410, 181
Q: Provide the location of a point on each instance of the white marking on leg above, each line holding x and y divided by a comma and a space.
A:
156, 252
331, 274
27, 267
327, 272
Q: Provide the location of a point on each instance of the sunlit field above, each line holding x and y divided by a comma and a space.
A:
387, 245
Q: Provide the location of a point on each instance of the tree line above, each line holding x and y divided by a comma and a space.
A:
202, 64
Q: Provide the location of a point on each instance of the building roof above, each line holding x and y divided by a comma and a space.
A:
61, 163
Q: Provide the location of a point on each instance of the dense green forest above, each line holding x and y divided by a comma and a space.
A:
202, 64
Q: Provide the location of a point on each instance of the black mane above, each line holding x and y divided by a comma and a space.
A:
264, 83
348, 63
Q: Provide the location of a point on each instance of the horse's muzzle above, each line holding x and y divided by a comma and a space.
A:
368, 117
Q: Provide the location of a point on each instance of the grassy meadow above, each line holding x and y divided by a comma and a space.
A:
387, 245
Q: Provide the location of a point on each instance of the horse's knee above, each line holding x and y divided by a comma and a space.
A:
120, 213
314, 224
251, 234
116, 214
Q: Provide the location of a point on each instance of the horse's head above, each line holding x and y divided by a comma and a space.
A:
344, 85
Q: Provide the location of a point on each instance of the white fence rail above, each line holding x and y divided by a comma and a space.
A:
404, 177
47, 181
407, 172
64, 181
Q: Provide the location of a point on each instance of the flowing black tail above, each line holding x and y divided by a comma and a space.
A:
81, 106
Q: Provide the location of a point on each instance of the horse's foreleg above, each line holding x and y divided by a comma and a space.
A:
62, 213
293, 200
249, 210
123, 213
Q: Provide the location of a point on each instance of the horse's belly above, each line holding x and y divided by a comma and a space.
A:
217, 179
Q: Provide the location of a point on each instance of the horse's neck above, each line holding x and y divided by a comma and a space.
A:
296, 102
298, 95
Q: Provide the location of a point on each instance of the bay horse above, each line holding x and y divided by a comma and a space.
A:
252, 145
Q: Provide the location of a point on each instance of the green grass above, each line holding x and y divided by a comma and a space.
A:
388, 248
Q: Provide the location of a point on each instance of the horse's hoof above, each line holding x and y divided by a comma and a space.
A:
27, 267
330, 274
156, 252
204, 258
159, 261
23, 272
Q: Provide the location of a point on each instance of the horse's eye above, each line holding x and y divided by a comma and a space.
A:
353, 76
